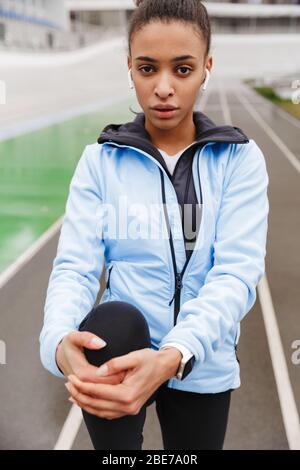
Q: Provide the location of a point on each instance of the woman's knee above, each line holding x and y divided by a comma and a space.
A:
121, 325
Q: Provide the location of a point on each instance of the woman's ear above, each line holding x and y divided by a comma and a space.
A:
130, 81
209, 64
207, 75
129, 64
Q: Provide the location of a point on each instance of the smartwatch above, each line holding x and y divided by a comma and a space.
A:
186, 363
185, 367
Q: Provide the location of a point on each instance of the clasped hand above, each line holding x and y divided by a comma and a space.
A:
142, 374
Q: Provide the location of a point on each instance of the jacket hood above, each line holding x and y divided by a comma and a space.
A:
134, 132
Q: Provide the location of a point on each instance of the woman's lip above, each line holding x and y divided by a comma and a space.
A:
166, 114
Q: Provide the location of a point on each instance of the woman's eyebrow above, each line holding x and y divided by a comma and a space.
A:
175, 59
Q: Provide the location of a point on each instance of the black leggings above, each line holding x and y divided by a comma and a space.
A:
188, 420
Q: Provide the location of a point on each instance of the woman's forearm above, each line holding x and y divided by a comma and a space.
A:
170, 361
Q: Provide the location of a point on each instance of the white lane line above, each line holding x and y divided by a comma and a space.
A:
284, 388
287, 153
277, 109
224, 105
285, 391
70, 429
285, 115
27, 256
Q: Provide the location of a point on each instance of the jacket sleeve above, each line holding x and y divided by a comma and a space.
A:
74, 281
229, 289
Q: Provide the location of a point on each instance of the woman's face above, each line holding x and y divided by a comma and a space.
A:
159, 78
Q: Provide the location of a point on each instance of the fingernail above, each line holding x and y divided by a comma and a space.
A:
73, 401
67, 386
98, 342
103, 370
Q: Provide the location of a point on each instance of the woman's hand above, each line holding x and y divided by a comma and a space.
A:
71, 359
145, 370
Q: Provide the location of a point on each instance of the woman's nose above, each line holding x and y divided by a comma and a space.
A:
164, 86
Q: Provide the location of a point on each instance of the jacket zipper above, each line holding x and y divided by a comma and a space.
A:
235, 348
236, 355
178, 275
108, 278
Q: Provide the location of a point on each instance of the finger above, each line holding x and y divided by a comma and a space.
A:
86, 339
75, 391
118, 393
109, 379
73, 400
120, 363
102, 414
86, 372
87, 400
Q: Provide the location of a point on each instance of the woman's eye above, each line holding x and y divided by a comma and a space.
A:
186, 68
144, 67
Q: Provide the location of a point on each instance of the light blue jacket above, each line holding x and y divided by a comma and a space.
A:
219, 282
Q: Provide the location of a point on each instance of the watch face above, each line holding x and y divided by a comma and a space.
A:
188, 367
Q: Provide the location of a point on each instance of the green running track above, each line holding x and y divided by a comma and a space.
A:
35, 173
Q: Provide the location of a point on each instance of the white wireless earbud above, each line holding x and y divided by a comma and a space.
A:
131, 84
207, 72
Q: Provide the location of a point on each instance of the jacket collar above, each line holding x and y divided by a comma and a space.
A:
134, 132
135, 135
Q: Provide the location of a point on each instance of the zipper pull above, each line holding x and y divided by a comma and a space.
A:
107, 283
172, 300
178, 281
178, 286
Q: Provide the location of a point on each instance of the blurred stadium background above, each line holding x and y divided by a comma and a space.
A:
63, 77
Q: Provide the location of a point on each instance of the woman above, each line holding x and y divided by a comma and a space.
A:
170, 314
